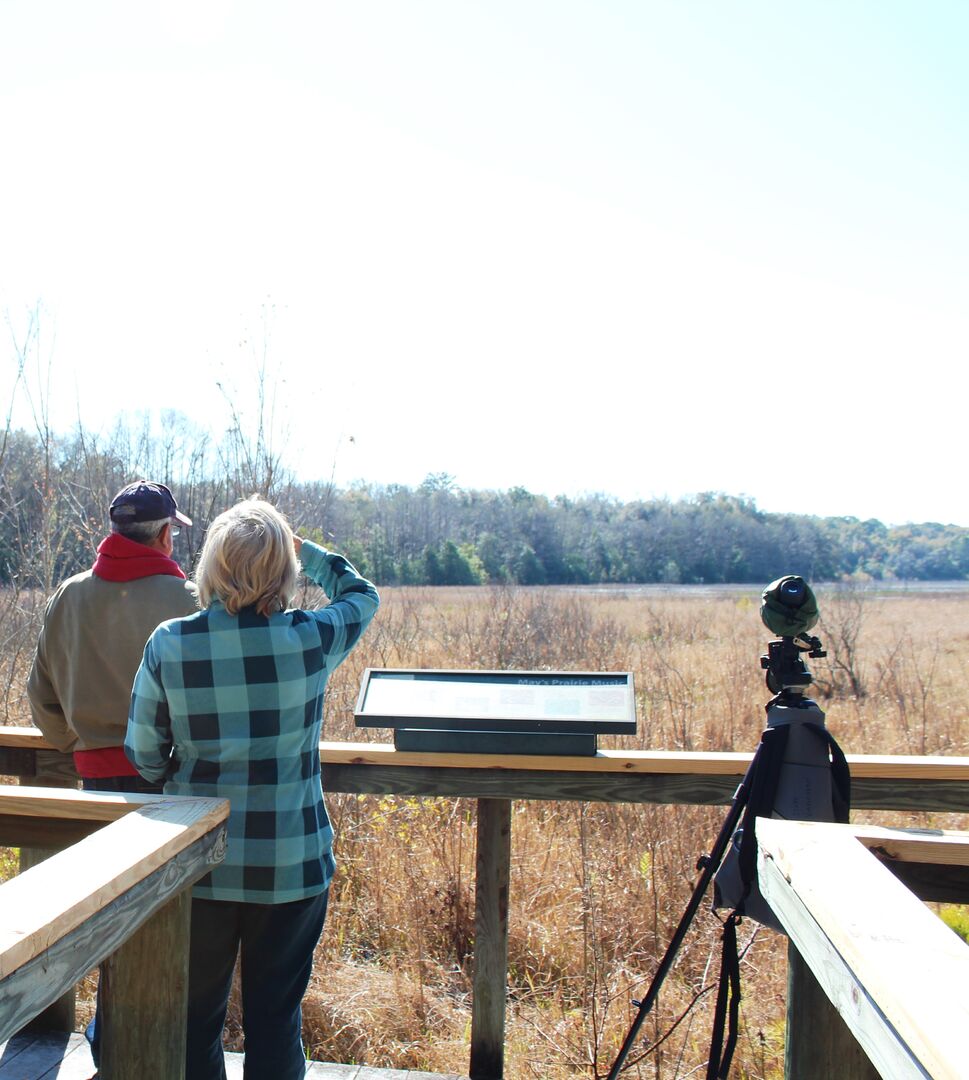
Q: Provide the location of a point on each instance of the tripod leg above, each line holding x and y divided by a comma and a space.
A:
709, 865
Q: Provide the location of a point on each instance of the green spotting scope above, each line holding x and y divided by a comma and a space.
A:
788, 607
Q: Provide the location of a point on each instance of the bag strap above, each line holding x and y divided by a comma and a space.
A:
766, 771
728, 1004
840, 776
763, 794
763, 790
764, 777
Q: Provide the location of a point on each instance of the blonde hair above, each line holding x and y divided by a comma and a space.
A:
248, 560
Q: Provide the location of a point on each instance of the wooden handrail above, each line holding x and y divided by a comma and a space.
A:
676, 762
101, 808
672, 762
667, 777
49, 901
118, 897
893, 971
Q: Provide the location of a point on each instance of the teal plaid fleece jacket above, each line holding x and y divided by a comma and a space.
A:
231, 706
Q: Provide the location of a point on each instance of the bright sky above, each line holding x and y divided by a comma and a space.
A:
637, 247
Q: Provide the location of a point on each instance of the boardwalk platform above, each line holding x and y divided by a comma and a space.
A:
67, 1057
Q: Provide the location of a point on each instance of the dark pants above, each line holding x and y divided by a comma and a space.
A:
277, 943
136, 785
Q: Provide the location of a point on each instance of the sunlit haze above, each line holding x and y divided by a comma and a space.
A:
639, 248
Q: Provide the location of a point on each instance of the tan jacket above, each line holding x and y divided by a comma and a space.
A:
90, 647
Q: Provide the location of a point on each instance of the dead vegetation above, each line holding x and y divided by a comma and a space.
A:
597, 889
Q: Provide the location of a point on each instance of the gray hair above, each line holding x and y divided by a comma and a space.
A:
248, 560
142, 532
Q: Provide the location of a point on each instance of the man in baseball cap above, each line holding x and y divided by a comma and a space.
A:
94, 633
145, 501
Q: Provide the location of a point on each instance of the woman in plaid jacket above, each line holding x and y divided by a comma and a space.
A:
228, 703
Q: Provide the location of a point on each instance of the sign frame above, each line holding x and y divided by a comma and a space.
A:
455, 720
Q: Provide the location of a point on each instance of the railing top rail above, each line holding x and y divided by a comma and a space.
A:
45, 802
892, 969
710, 763
50, 900
672, 762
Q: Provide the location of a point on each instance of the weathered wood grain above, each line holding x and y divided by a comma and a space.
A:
893, 971
57, 803
528, 784
818, 1042
49, 818
932, 863
892, 793
45, 835
943, 847
144, 997
30, 737
53, 818
688, 789
61, 1014
18, 761
881, 782
878, 782
492, 877
50, 770
706, 763
55, 897
33, 984
60, 918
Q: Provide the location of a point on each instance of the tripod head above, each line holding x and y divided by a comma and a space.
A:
787, 675
789, 609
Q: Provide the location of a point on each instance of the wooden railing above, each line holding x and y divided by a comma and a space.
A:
883, 782
879, 981
117, 895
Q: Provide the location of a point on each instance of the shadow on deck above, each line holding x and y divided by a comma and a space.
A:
56, 1056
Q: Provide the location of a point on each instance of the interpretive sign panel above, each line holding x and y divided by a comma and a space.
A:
509, 702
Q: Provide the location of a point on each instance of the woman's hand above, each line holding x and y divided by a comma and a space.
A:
297, 545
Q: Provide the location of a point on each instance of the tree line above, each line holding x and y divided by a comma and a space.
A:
55, 490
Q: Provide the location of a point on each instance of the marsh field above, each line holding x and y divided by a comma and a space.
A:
596, 889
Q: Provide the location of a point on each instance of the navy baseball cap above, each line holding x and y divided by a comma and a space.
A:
145, 501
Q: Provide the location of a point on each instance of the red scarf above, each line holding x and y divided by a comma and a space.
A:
121, 559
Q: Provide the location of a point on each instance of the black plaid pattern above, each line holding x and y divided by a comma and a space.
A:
232, 705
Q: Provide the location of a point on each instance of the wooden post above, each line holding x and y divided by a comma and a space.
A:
56, 770
493, 869
819, 1042
144, 998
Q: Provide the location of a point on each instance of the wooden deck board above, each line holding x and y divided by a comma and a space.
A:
56, 1056
45, 1057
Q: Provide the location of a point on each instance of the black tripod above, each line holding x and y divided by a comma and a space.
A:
787, 678
708, 864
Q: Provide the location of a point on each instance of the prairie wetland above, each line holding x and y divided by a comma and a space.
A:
512, 327
596, 889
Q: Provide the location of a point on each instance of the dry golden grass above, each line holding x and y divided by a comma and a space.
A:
596, 889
